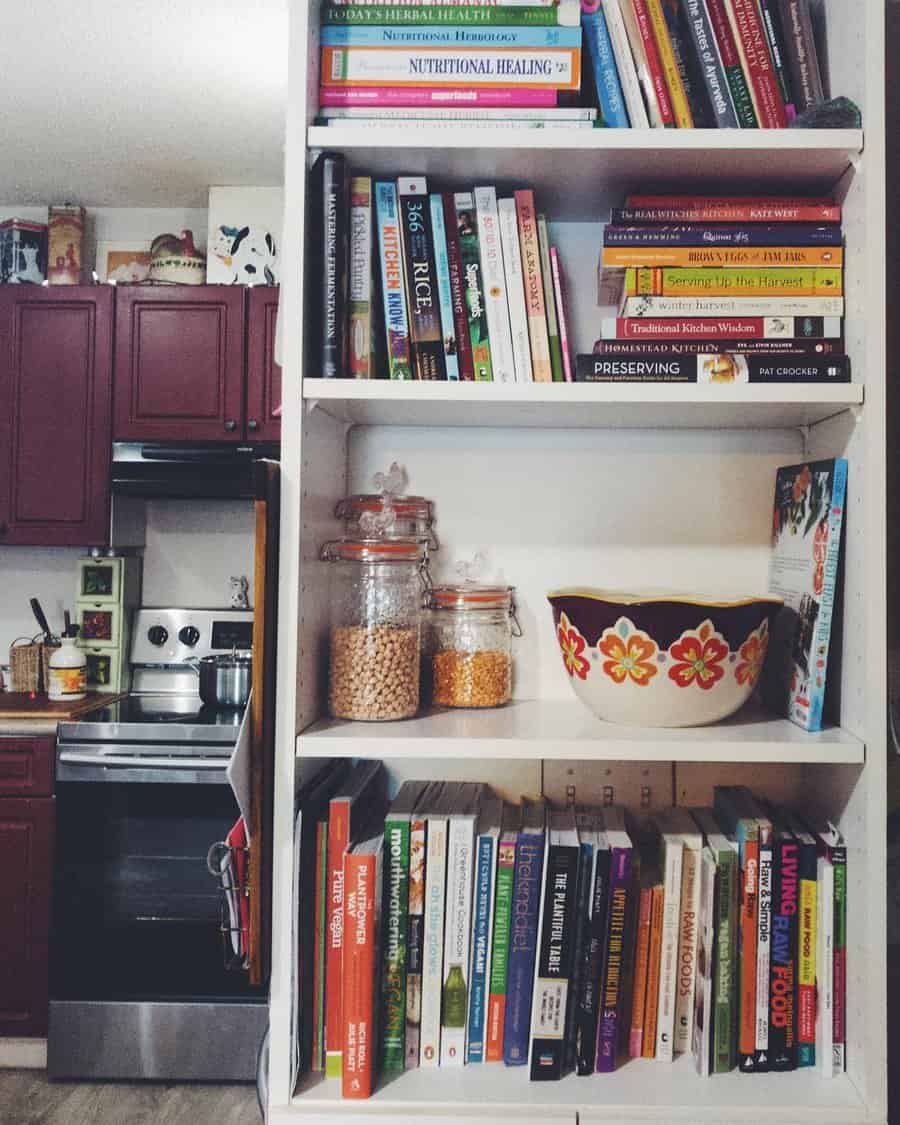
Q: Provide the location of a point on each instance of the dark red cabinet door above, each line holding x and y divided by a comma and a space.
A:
179, 363
26, 844
55, 414
263, 373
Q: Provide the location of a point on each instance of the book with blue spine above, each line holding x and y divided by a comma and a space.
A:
486, 846
529, 871
393, 281
393, 36
721, 234
445, 294
606, 76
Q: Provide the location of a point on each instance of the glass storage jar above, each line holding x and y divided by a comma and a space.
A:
375, 605
387, 516
470, 627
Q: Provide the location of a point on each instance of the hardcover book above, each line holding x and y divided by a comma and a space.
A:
486, 846
625, 64
807, 922
649, 876
645, 48
709, 63
800, 47
701, 1031
722, 328
712, 368
731, 63
587, 823
767, 308
763, 1059
445, 289
556, 364
712, 257
328, 263
651, 1008
677, 822
359, 1005
727, 209
771, 18
675, 281
806, 536
360, 286
593, 952
393, 281
515, 288
462, 338
415, 934
495, 298
535, 296
783, 957
423, 299
825, 965
473, 279
433, 936
833, 855
671, 864
506, 865
766, 348
621, 889
680, 107
756, 58
708, 236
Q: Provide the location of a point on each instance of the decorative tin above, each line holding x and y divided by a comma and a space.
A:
65, 250
23, 252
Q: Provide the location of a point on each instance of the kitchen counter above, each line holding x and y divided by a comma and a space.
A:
27, 727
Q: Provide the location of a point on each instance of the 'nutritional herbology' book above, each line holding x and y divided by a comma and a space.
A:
806, 535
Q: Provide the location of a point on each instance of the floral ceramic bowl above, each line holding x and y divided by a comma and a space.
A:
661, 660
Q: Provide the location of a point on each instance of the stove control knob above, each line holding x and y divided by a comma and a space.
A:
157, 635
189, 635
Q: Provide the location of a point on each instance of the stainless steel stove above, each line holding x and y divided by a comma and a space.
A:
141, 982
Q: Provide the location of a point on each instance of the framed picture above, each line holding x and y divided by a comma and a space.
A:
123, 261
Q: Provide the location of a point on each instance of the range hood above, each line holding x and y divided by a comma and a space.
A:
191, 471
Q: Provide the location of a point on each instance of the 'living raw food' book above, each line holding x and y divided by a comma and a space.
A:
426, 341
415, 934
711, 368
806, 537
486, 846
327, 264
393, 281
359, 974
783, 954
473, 277
807, 922
612, 1001
503, 898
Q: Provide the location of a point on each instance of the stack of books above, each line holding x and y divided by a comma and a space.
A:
504, 64
452, 928
721, 290
409, 283
702, 63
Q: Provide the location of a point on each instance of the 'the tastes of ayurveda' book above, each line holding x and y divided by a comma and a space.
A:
806, 537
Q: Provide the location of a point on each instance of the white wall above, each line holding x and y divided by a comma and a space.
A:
192, 548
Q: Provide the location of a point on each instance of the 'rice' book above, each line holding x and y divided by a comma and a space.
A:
486, 846
806, 538
426, 340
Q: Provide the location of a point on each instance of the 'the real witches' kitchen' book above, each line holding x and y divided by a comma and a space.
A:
806, 536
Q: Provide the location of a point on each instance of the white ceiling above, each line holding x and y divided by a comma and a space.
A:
140, 103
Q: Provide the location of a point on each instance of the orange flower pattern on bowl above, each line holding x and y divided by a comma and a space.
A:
752, 656
628, 653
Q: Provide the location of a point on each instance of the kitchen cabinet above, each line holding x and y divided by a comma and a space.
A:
263, 373
55, 414
179, 363
26, 843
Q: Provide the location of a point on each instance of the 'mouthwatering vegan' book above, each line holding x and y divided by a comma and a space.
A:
806, 536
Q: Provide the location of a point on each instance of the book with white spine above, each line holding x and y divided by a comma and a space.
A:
671, 864
494, 281
512, 268
433, 939
628, 77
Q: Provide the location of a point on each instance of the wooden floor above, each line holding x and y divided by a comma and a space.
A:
28, 1098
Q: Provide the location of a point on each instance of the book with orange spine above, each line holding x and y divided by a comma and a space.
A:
721, 257
535, 298
641, 967
644, 47
756, 281
680, 107
654, 955
359, 984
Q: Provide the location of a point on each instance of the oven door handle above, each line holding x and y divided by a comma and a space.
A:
140, 761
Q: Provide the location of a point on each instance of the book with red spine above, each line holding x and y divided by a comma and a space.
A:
359, 979
721, 328
560, 295
731, 63
534, 287
756, 59
654, 62
669, 64
728, 209
458, 291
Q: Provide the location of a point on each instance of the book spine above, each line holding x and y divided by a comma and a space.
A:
655, 67
687, 949
731, 64
676, 281
680, 108
642, 959
806, 959
672, 209
711, 368
583, 115
839, 975
522, 947
726, 257
825, 969
748, 920
725, 963
515, 288
457, 941
556, 364
473, 277
688, 67
552, 68
550, 999
668, 963
485, 887
771, 18
765, 307
359, 975
495, 299
581, 954
753, 49
610, 997
396, 924
334, 276
651, 1008
321, 911
397, 37
629, 956
445, 293
535, 297
708, 236
769, 348
772, 329
588, 998
625, 67
461, 3
426, 344
465, 359
783, 969
761, 1059
360, 287
496, 1015
415, 935
559, 295
701, 1037
433, 943
610, 99
800, 48
338, 840
416, 96
827, 554
709, 61
393, 282
454, 15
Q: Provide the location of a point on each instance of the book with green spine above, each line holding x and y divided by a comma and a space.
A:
506, 866
396, 900
565, 13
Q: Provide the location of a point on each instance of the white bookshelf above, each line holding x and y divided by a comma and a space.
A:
608, 486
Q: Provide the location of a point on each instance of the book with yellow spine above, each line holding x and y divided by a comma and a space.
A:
680, 107
673, 281
722, 257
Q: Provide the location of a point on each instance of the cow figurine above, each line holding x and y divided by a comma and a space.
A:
239, 592
248, 253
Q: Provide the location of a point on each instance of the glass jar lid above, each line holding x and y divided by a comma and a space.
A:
472, 596
410, 507
374, 551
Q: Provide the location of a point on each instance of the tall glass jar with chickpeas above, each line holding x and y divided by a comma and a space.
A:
376, 593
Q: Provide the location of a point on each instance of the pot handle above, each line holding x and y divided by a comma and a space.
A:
193, 662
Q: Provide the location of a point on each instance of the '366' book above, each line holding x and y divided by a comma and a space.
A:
712, 367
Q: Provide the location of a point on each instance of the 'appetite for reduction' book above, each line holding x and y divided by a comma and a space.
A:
612, 1000
806, 536
421, 279
506, 864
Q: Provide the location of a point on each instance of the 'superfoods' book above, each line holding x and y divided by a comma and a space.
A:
422, 295
473, 280
393, 281
806, 536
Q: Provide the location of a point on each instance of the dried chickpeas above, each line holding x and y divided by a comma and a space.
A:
471, 679
374, 672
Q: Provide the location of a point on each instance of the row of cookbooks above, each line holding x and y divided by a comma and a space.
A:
409, 283
722, 289
449, 928
654, 63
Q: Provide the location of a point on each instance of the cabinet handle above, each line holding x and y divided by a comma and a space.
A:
253, 425
230, 425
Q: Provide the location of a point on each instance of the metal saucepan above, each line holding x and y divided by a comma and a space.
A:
224, 679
